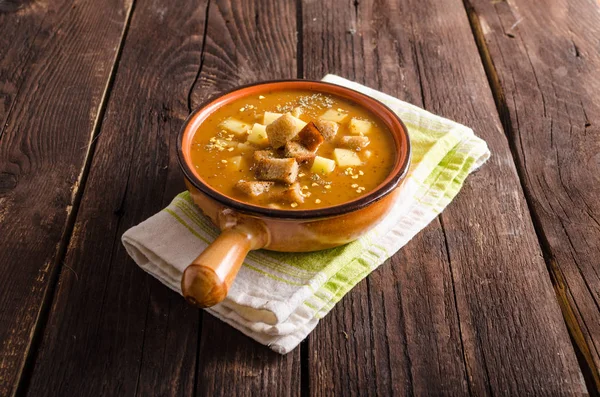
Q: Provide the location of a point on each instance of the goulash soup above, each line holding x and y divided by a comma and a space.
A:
293, 150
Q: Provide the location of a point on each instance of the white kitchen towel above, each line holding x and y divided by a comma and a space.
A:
278, 298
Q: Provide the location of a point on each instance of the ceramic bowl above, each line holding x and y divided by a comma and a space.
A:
246, 227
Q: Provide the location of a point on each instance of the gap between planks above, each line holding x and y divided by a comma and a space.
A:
44, 310
201, 63
582, 350
304, 345
199, 361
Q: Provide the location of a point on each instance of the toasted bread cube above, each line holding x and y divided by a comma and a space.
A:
258, 135
346, 158
253, 188
263, 154
359, 127
333, 115
269, 117
235, 126
292, 194
354, 142
283, 129
282, 170
299, 152
327, 128
235, 162
310, 137
322, 165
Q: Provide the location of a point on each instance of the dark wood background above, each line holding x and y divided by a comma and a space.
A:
498, 296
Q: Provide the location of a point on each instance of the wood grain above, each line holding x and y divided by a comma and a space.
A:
57, 58
466, 307
231, 364
245, 42
399, 327
486, 285
546, 66
113, 329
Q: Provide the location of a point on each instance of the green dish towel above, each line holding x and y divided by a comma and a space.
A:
278, 298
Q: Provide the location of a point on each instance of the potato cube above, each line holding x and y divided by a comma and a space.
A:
346, 158
235, 163
322, 165
297, 111
235, 126
244, 147
301, 123
269, 117
258, 135
359, 127
284, 129
333, 115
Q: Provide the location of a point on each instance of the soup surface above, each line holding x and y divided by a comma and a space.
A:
293, 150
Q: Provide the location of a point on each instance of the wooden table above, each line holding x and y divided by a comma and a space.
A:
498, 296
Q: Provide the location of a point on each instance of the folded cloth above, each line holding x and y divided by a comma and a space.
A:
278, 298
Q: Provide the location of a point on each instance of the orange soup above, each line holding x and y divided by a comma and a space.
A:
293, 150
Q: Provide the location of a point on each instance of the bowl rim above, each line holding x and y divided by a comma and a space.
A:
392, 181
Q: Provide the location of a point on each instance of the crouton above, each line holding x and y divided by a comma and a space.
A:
356, 142
262, 154
254, 188
327, 128
299, 152
310, 137
283, 129
292, 194
282, 170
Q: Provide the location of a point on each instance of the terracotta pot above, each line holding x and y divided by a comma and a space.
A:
246, 227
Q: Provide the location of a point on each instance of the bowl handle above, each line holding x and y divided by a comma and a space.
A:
207, 279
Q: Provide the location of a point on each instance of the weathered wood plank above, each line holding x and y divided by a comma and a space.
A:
546, 70
55, 64
246, 41
113, 329
412, 341
484, 283
232, 364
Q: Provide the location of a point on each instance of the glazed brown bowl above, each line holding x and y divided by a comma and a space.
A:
246, 227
